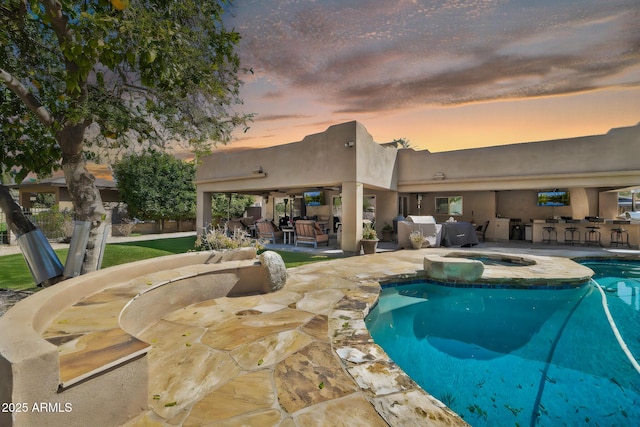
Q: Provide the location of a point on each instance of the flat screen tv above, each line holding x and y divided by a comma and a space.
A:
553, 198
314, 198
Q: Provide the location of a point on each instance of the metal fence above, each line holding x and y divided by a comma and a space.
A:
56, 225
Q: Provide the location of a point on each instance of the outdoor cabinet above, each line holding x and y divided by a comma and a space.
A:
499, 229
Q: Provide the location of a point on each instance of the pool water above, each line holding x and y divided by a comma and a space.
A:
512, 357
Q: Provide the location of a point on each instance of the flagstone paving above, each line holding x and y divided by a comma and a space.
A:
300, 356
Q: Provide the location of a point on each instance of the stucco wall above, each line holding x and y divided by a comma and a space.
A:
322, 159
523, 204
375, 163
481, 206
550, 163
476, 205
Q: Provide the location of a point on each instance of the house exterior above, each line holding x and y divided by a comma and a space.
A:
473, 185
57, 186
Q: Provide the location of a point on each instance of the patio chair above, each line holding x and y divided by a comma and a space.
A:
310, 232
481, 231
250, 224
268, 230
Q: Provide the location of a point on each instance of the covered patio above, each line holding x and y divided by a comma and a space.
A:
499, 186
339, 171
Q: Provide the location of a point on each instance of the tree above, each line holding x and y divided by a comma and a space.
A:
402, 143
85, 80
157, 186
230, 205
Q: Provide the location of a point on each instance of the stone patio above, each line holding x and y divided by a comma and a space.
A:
299, 356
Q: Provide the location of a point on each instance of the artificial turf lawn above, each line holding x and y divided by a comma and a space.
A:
14, 273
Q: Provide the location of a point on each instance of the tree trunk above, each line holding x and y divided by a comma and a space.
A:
16, 221
87, 202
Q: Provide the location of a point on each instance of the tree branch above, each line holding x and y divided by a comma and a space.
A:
58, 20
27, 97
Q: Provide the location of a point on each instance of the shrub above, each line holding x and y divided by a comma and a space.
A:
369, 233
126, 227
54, 223
218, 238
416, 236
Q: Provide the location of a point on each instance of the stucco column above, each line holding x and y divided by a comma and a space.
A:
270, 211
608, 204
203, 213
386, 209
579, 202
351, 216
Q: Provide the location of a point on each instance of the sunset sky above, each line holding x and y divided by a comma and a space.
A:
443, 74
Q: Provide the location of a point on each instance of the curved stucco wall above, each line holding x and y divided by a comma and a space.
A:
30, 367
149, 306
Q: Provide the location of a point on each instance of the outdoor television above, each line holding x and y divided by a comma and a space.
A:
553, 198
313, 198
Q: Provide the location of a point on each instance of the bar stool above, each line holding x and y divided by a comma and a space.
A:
620, 233
516, 229
592, 233
550, 228
572, 231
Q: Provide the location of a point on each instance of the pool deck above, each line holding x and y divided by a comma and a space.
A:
298, 356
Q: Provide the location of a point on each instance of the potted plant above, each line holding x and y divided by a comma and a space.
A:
417, 239
369, 239
387, 233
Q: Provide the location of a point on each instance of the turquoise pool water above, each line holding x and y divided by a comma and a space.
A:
511, 357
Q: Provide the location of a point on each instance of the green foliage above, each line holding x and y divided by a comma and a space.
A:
122, 253
54, 223
46, 200
170, 245
14, 273
219, 238
150, 73
222, 207
156, 186
416, 236
369, 233
402, 143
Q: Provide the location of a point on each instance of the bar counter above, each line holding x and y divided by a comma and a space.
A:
632, 227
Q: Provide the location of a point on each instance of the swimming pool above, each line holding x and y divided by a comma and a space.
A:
536, 357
